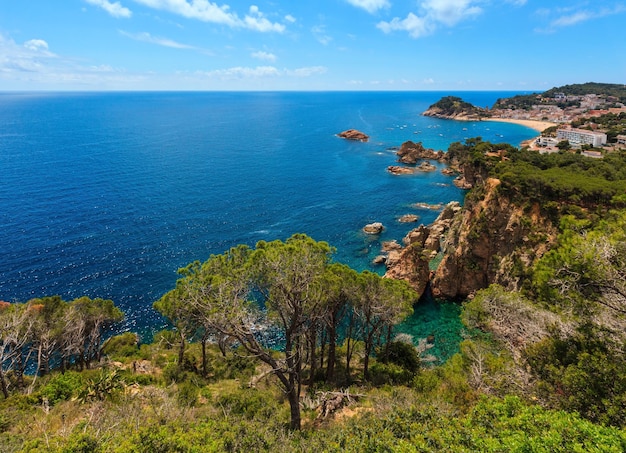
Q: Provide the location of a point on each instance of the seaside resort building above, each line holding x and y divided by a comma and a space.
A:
579, 137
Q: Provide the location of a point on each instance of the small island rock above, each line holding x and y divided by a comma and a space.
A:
373, 228
410, 153
353, 134
408, 218
399, 170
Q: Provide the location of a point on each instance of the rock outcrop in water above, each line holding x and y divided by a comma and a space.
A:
373, 228
353, 134
411, 153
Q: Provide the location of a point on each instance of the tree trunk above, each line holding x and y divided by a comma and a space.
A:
204, 370
294, 406
181, 351
332, 353
312, 355
3, 384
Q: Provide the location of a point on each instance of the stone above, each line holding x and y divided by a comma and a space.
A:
373, 228
408, 218
353, 134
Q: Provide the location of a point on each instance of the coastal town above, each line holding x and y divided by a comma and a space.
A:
591, 120
563, 117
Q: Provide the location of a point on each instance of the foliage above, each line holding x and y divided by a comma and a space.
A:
563, 177
586, 270
62, 387
121, 346
400, 353
107, 384
453, 106
290, 287
585, 373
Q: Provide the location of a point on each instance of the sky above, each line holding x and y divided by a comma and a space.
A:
309, 45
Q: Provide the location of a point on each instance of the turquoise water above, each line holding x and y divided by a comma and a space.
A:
108, 194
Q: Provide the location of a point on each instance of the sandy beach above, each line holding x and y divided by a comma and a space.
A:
539, 126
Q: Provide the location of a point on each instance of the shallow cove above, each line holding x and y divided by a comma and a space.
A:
438, 320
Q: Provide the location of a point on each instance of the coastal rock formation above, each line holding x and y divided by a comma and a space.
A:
487, 241
408, 218
426, 166
455, 108
373, 228
411, 153
411, 263
399, 170
353, 134
388, 246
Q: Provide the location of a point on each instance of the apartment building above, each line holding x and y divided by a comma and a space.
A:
579, 137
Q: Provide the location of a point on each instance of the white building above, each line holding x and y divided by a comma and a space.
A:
621, 139
578, 137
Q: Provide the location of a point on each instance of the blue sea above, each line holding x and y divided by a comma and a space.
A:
108, 194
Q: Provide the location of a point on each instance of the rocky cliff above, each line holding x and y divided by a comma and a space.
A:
421, 245
491, 240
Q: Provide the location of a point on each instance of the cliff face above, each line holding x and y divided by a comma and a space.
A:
421, 244
491, 240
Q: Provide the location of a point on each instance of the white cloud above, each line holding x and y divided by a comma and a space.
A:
433, 14
207, 11
32, 65
240, 72
319, 31
114, 9
261, 55
371, 6
567, 17
289, 18
415, 26
307, 71
147, 37
243, 72
37, 45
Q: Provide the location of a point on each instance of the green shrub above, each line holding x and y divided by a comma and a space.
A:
187, 395
123, 345
62, 387
81, 443
106, 385
389, 373
248, 402
402, 354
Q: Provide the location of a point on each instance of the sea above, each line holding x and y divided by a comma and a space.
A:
108, 194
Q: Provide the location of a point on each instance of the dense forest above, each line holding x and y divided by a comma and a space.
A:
542, 368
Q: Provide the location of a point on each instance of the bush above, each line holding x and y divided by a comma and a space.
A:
62, 387
402, 354
81, 443
389, 373
249, 403
124, 345
187, 395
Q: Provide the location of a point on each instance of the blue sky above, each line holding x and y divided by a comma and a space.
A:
309, 44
